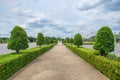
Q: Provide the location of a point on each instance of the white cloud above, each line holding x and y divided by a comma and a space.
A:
60, 19
22, 25
22, 10
89, 23
37, 16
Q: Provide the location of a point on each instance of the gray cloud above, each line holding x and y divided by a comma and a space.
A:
111, 5
87, 7
106, 5
4, 21
61, 21
40, 23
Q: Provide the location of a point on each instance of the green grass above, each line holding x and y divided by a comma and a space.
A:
88, 43
111, 56
11, 63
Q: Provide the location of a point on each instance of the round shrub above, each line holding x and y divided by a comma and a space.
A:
78, 40
18, 39
40, 39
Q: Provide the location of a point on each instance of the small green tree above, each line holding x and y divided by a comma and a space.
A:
78, 40
46, 40
71, 40
67, 40
18, 39
40, 39
31, 39
104, 41
63, 41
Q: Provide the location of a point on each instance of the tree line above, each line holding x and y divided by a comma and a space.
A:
19, 39
103, 42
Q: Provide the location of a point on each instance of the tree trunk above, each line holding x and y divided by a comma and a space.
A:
102, 53
17, 51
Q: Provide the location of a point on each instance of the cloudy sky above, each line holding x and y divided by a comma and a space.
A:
59, 18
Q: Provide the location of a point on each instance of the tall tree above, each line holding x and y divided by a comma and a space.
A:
68, 40
40, 39
46, 40
104, 41
18, 39
71, 40
78, 40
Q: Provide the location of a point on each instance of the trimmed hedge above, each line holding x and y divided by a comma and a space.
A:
108, 67
11, 63
88, 43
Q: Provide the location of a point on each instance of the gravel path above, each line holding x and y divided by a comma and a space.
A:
58, 64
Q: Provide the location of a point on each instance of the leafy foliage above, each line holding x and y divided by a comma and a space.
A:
3, 40
18, 39
40, 39
67, 40
53, 40
31, 39
104, 41
96, 52
78, 40
88, 43
111, 56
46, 40
71, 40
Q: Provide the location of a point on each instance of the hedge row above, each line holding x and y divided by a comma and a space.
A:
108, 67
88, 43
11, 63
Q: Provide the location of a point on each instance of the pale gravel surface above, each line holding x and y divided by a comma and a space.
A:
58, 64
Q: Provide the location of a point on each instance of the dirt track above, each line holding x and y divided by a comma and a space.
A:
58, 64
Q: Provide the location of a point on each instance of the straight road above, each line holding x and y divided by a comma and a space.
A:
59, 63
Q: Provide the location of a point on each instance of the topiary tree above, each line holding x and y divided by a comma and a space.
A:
63, 41
40, 39
46, 40
18, 39
67, 40
78, 40
104, 41
71, 40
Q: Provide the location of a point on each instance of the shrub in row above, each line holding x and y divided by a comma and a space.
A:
88, 43
108, 67
11, 63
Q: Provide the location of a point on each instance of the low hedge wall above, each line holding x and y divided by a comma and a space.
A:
108, 67
88, 43
11, 63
